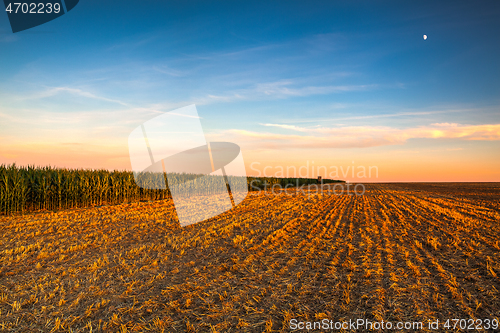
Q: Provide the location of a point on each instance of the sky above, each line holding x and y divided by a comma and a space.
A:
342, 85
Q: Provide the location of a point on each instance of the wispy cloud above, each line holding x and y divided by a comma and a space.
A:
384, 115
170, 71
358, 136
316, 43
279, 90
284, 89
290, 127
74, 91
132, 44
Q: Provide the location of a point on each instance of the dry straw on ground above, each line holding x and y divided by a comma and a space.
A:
401, 252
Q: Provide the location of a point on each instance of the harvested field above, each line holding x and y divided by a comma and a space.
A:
399, 253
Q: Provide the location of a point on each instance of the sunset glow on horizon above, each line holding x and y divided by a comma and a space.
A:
328, 88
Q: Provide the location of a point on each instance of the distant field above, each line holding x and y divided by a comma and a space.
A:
402, 252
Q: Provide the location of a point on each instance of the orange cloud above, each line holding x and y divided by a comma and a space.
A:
357, 136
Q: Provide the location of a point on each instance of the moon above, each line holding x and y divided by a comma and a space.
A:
425, 37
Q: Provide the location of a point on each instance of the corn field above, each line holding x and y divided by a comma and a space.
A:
25, 189
45, 188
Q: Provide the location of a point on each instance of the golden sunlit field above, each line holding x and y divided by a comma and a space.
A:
401, 252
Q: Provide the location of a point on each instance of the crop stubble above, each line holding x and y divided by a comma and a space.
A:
401, 252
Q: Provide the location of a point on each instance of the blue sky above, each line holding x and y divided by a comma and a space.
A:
271, 76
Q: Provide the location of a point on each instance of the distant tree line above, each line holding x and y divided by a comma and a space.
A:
261, 183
